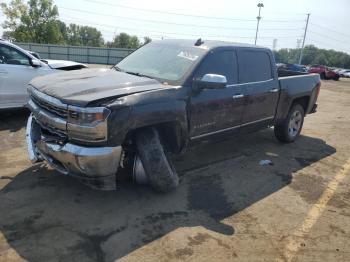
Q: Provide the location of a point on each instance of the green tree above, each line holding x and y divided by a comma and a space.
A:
314, 56
146, 40
32, 21
83, 35
123, 40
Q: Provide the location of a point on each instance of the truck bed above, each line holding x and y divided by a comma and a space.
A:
299, 84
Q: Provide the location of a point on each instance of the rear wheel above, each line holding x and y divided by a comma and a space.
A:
155, 160
289, 130
323, 75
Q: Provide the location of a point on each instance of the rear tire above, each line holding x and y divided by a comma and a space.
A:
289, 129
323, 76
155, 160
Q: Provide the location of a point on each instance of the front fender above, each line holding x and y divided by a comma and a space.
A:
157, 113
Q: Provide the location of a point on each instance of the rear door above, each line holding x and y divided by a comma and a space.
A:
215, 111
259, 85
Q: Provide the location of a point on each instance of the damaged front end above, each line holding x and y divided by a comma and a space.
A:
51, 137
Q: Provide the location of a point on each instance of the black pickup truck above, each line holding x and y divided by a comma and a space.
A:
97, 123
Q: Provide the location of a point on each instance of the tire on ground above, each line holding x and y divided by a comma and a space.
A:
281, 129
156, 162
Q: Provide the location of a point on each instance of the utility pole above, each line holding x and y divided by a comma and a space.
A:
274, 44
302, 47
258, 17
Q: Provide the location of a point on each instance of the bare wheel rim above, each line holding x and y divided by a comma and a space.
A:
294, 123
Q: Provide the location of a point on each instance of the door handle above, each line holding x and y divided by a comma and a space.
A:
273, 90
3, 72
238, 96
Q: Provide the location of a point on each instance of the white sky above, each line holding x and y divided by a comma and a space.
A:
282, 20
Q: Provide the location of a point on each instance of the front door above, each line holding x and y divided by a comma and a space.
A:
214, 111
15, 74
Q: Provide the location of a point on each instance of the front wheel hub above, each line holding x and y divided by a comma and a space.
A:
139, 173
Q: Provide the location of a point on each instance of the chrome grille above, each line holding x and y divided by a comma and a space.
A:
48, 103
50, 113
61, 112
54, 131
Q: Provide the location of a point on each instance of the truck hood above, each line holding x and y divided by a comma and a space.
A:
84, 86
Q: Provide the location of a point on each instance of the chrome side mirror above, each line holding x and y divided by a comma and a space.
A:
212, 81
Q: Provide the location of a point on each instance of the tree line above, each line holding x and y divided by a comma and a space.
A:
37, 21
313, 56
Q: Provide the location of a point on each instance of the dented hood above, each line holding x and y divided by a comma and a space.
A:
87, 85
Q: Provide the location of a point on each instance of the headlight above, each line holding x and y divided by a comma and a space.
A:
87, 124
89, 115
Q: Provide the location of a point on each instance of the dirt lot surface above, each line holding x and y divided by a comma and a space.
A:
227, 207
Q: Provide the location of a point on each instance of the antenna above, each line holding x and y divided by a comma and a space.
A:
199, 42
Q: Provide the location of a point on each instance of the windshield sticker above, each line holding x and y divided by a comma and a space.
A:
187, 55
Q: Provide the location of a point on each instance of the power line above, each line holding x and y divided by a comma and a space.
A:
187, 15
324, 44
331, 20
152, 21
172, 33
169, 23
333, 39
329, 29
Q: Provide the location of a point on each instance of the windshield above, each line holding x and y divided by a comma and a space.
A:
160, 61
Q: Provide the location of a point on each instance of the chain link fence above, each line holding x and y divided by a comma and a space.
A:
82, 54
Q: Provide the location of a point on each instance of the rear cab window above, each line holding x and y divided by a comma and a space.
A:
254, 66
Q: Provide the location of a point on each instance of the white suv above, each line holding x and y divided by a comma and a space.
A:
18, 67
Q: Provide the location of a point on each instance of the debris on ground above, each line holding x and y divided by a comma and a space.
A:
265, 162
6, 177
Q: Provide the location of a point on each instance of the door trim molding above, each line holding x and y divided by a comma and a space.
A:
231, 128
251, 83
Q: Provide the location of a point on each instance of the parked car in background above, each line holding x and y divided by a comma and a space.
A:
18, 67
60, 64
293, 67
324, 72
160, 99
345, 73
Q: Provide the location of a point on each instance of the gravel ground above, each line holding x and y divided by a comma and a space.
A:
226, 208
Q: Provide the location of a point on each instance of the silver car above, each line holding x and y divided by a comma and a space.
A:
18, 67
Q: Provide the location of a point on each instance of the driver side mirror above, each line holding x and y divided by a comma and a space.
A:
35, 63
212, 81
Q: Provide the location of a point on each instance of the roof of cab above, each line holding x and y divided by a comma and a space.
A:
208, 44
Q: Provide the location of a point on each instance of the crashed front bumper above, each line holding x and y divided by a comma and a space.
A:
95, 166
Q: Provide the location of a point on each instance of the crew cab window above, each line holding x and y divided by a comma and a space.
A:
221, 63
11, 56
254, 66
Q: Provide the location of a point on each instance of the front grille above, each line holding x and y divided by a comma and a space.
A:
57, 111
50, 113
54, 131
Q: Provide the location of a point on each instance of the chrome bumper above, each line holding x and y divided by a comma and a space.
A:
85, 162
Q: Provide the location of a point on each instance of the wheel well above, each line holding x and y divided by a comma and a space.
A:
303, 101
169, 132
